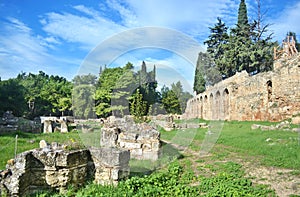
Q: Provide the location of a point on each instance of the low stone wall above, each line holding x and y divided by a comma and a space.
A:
10, 123
52, 169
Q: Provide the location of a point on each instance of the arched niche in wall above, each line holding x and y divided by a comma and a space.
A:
226, 103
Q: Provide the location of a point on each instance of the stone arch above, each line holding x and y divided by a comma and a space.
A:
269, 89
226, 103
205, 107
218, 105
201, 107
198, 108
211, 105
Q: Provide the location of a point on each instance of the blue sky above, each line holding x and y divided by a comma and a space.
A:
57, 37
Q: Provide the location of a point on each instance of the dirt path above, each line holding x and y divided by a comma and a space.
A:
285, 182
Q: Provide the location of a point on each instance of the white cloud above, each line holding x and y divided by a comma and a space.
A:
22, 50
84, 28
88, 31
191, 17
90, 26
288, 20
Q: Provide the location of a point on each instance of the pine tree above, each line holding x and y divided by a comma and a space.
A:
218, 36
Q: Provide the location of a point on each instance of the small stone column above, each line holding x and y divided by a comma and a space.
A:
111, 164
63, 127
48, 126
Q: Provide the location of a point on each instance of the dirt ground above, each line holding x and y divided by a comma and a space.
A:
285, 182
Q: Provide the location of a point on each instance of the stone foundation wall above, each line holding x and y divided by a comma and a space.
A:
142, 140
272, 96
49, 169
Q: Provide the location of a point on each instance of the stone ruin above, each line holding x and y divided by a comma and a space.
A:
266, 96
9, 123
167, 122
50, 122
53, 168
142, 140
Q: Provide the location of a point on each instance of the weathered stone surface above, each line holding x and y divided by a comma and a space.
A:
124, 133
41, 169
11, 123
268, 96
130, 145
136, 153
296, 120
255, 126
109, 136
47, 126
43, 144
150, 155
110, 156
111, 164
63, 127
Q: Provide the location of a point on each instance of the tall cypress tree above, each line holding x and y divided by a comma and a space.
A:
242, 14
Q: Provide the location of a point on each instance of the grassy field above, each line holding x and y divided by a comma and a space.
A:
222, 172
27, 141
271, 148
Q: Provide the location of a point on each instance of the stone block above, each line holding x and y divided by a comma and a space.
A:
149, 134
147, 146
296, 120
63, 127
255, 126
155, 146
117, 174
109, 137
72, 158
150, 155
136, 153
110, 156
47, 126
128, 136
102, 174
130, 145
43, 144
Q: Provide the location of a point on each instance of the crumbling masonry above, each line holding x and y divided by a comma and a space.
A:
270, 96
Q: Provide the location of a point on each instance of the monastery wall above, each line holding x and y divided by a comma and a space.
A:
272, 96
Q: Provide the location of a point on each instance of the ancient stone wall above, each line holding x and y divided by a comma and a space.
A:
49, 168
272, 96
142, 140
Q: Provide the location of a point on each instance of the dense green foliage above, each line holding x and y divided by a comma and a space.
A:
122, 91
88, 96
32, 95
247, 46
118, 88
176, 180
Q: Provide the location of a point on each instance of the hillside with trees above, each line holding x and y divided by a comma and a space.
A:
246, 46
116, 91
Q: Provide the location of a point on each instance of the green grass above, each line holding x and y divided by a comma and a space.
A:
178, 179
282, 149
28, 141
